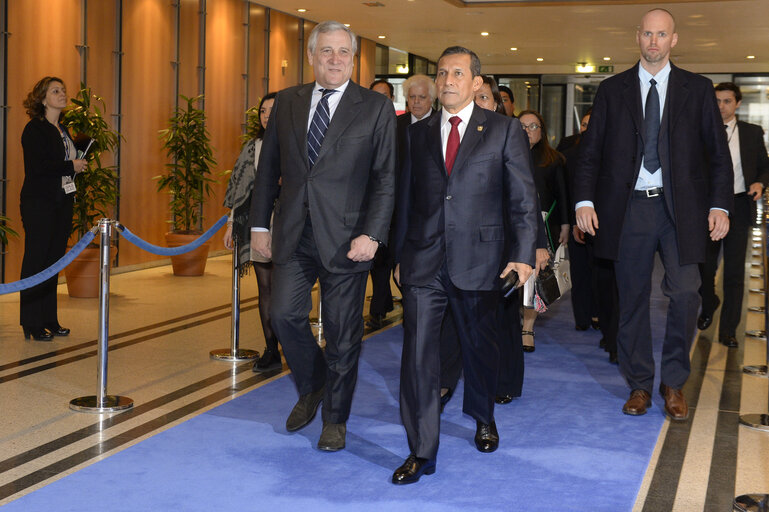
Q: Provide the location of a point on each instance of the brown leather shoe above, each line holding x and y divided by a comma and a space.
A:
675, 403
638, 402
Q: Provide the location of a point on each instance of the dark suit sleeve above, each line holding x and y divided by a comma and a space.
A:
521, 203
590, 151
402, 198
43, 158
714, 140
762, 158
562, 194
268, 172
382, 175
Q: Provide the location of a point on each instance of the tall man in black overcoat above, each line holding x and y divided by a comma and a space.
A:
655, 170
467, 215
333, 144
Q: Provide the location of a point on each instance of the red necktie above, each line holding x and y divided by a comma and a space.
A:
452, 145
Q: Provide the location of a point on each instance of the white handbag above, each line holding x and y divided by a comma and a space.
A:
562, 269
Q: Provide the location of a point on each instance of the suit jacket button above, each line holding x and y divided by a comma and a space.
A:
448, 198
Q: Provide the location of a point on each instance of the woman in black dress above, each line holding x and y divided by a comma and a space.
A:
50, 164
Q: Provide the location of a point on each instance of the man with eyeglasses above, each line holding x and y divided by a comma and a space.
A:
655, 170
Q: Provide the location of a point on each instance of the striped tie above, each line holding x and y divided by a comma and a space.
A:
318, 126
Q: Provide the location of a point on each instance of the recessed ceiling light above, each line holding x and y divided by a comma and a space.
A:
607, 58
301, 10
347, 25
514, 49
381, 37
750, 57
540, 59
484, 34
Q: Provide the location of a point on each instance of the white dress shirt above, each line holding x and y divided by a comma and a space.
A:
464, 115
414, 118
733, 136
645, 178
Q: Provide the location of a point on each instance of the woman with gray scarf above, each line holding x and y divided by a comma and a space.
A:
238, 198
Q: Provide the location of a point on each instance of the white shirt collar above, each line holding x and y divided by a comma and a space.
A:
731, 123
341, 88
465, 114
661, 76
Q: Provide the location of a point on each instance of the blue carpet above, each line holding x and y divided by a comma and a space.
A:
565, 445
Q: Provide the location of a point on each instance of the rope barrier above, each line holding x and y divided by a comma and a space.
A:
44, 275
171, 251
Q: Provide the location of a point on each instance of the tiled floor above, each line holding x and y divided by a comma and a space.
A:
162, 329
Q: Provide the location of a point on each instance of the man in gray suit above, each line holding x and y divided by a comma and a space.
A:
333, 145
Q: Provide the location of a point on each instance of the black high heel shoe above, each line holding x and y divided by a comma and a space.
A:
528, 348
38, 334
58, 330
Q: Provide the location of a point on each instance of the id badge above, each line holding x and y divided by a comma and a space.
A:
68, 184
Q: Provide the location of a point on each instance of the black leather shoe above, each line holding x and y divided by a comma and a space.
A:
375, 322
412, 469
581, 327
445, 398
528, 348
595, 324
269, 361
304, 410
503, 399
602, 343
705, 319
613, 358
38, 334
332, 437
486, 437
729, 341
58, 330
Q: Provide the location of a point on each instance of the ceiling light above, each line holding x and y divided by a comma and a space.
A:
583, 67
301, 10
607, 58
381, 37
514, 49
540, 59
750, 57
347, 25
484, 34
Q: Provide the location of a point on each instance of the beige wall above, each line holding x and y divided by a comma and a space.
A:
148, 88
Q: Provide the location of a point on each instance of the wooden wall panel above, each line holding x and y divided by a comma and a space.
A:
284, 48
225, 94
307, 72
189, 47
256, 53
148, 78
367, 66
32, 54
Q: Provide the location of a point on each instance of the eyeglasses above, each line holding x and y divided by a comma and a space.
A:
533, 127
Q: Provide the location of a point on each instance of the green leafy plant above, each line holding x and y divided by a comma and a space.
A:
188, 180
97, 186
5, 231
253, 124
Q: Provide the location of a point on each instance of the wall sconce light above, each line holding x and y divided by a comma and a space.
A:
284, 66
403, 69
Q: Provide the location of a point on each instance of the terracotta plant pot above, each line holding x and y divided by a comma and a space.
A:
191, 263
83, 273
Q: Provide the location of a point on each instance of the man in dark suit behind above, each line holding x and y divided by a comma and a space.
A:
332, 143
467, 215
751, 172
655, 169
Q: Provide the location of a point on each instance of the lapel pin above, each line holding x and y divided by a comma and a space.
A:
480, 128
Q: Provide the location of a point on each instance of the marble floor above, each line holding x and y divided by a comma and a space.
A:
163, 327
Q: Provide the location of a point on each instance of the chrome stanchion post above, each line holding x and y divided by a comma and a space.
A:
102, 402
234, 353
757, 502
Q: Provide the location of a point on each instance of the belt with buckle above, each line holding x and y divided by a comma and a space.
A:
648, 193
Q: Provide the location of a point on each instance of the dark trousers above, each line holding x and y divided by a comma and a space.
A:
46, 230
608, 301
734, 245
450, 352
474, 314
510, 380
381, 294
584, 296
648, 229
342, 296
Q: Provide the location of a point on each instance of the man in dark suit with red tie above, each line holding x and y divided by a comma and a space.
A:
467, 215
654, 168
751, 173
332, 143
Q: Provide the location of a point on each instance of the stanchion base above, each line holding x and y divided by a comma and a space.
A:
756, 333
756, 421
759, 291
226, 354
757, 370
112, 403
756, 309
756, 276
751, 503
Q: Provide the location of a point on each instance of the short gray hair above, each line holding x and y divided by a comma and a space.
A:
330, 26
418, 79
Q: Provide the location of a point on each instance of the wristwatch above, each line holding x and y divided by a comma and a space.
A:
375, 240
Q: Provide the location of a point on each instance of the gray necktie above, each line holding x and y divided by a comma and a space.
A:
652, 129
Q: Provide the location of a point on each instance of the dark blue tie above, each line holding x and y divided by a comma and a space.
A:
318, 126
652, 128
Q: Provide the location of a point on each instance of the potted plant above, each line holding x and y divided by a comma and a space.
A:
5, 231
188, 182
96, 188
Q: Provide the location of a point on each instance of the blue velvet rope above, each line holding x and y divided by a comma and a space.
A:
171, 251
29, 282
